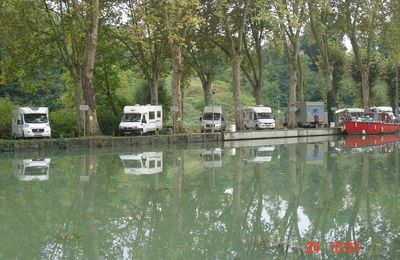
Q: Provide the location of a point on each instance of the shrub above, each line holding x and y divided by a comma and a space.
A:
63, 123
6, 107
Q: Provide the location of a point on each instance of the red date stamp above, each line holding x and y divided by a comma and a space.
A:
338, 247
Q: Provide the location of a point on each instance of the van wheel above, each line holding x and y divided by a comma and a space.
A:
141, 132
257, 127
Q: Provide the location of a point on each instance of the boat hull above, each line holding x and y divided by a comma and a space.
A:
352, 127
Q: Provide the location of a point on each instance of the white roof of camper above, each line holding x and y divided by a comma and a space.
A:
350, 110
140, 108
34, 110
260, 109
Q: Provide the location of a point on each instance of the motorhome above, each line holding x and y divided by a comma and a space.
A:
32, 169
140, 120
30, 122
213, 119
258, 117
142, 163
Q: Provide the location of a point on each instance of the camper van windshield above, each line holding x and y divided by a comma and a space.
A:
264, 116
35, 118
208, 116
132, 117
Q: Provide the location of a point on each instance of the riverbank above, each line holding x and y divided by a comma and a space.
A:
154, 140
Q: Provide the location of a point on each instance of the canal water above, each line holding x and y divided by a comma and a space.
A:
327, 199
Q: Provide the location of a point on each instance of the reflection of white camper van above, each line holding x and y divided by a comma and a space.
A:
212, 158
32, 169
141, 120
142, 163
30, 122
210, 122
258, 117
261, 154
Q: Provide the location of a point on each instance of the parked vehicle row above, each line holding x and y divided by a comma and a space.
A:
29, 122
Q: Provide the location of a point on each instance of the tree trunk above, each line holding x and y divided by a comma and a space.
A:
236, 60
207, 91
153, 85
292, 91
365, 89
301, 80
257, 93
396, 93
92, 126
176, 86
78, 99
331, 97
258, 87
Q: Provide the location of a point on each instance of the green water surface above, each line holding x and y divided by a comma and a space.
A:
244, 202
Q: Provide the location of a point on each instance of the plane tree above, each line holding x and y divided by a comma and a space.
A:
362, 21
289, 21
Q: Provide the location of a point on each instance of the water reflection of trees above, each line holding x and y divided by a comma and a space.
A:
273, 210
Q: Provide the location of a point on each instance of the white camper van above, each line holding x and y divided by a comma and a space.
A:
142, 163
258, 117
213, 119
30, 122
32, 169
141, 120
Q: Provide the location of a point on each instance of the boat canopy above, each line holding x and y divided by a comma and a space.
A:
350, 110
382, 109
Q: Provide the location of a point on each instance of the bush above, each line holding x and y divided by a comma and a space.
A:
63, 123
6, 108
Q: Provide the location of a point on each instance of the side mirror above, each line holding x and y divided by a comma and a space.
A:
222, 119
19, 122
144, 121
200, 118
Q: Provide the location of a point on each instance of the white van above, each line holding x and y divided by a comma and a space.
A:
213, 119
140, 120
258, 117
32, 169
142, 163
30, 122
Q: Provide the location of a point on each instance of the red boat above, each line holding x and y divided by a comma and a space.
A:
380, 120
369, 140
354, 127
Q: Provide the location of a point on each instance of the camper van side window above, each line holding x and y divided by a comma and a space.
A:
255, 116
158, 114
152, 115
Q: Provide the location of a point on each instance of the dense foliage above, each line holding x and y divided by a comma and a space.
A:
157, 52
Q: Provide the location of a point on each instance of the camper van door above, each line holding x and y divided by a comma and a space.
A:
17, 123
152, 120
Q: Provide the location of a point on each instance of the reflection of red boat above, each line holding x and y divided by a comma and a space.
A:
355, 141
353, 127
